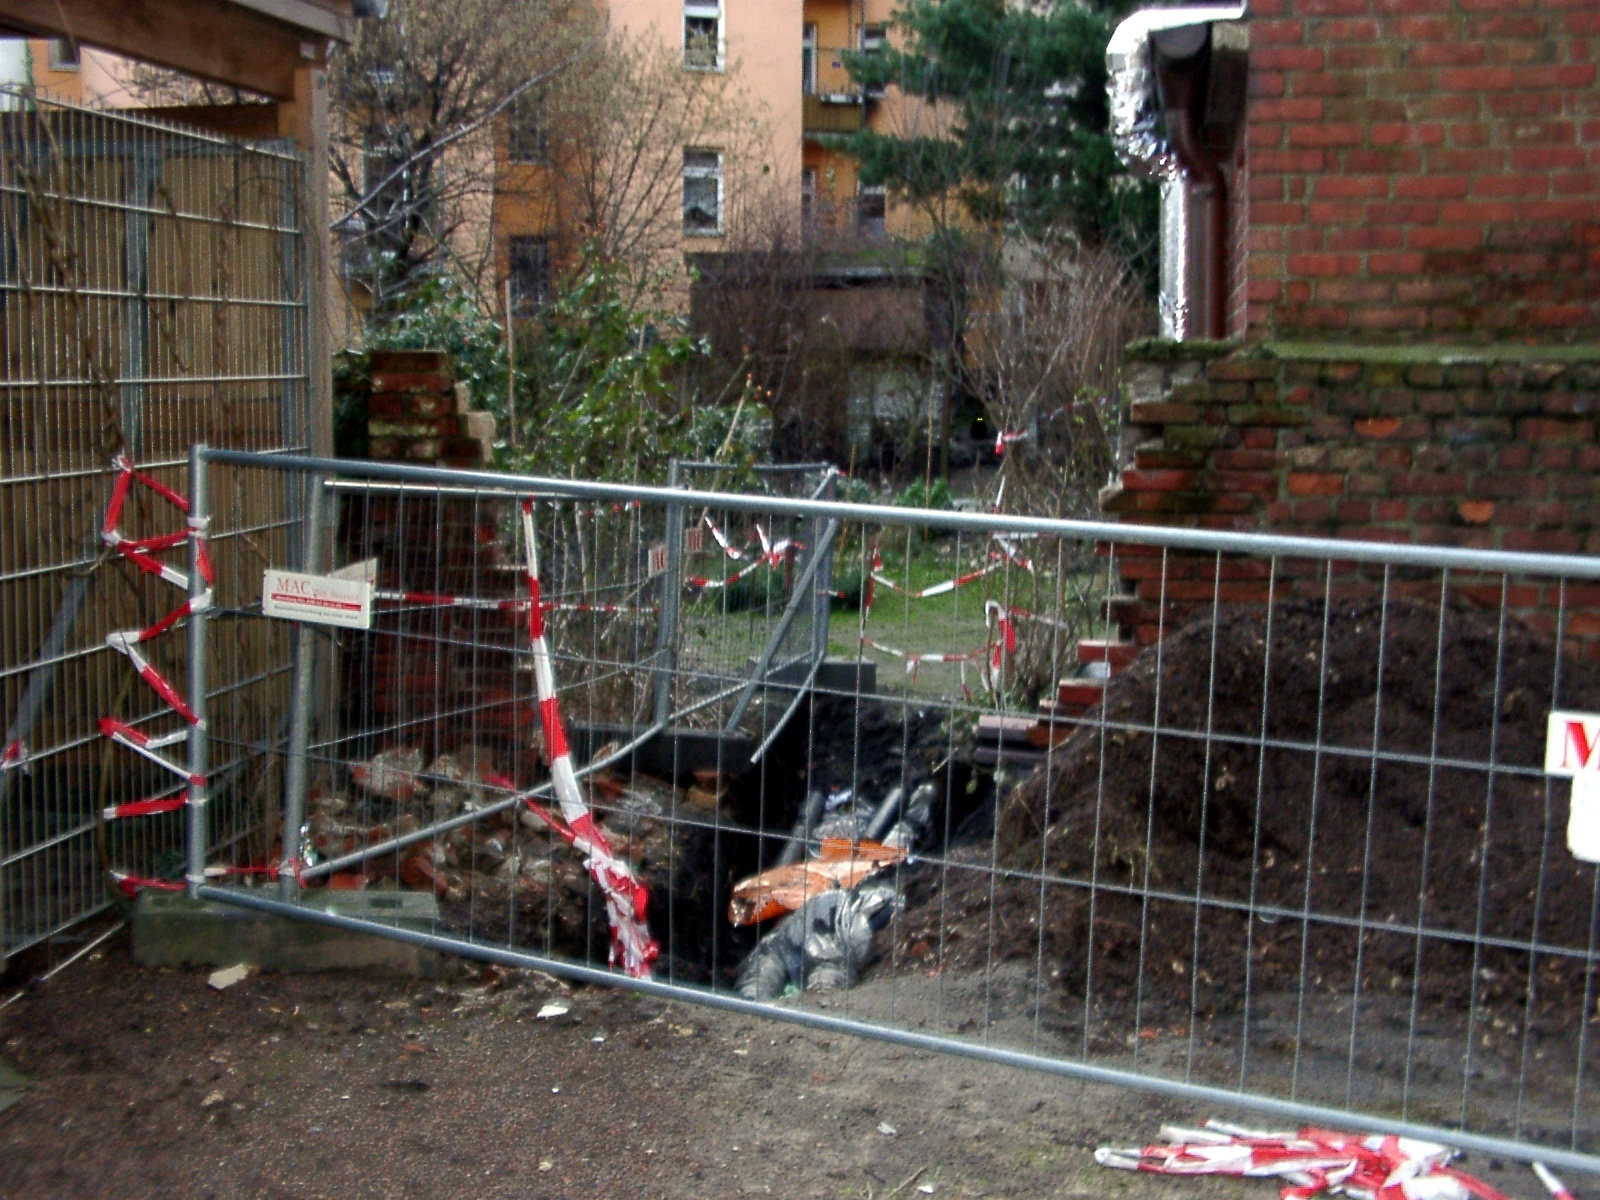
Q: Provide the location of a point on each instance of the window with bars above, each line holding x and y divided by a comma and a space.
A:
702, 35
702, 192
530, 274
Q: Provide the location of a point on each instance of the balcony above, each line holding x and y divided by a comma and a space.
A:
832, 112
833, 102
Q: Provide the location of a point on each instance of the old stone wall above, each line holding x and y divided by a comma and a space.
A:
1477, 447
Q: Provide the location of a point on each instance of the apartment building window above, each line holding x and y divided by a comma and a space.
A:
530, 274
702, 192
64, 54
384, 171
808, 61
872, 205
874, 39
528, 129
702, 34
808, 200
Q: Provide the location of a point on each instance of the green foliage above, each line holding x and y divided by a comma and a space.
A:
850, 588
439, 314
739, 434
598, 388
855, 491
1029, 146
920, 495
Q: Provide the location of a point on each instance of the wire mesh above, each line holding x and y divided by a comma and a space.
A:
152, 294
1259, 819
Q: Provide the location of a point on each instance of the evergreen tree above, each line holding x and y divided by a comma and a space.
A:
1019, 135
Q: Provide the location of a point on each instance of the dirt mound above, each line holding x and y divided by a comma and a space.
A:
1365, 802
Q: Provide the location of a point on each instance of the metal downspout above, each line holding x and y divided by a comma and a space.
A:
1182, 56
1181, 60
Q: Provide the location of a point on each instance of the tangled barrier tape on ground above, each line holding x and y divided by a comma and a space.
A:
1313, 1162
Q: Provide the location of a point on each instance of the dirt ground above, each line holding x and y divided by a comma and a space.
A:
148, 1083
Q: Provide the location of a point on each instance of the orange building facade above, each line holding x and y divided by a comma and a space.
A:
784, 66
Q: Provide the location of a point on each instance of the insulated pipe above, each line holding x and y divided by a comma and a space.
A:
1182, 56
810, 813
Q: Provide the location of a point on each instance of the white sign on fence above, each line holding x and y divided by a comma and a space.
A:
1572, 748
322, 599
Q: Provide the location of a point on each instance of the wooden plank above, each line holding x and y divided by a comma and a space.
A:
255, 122
222, 42
329, 20
305, 118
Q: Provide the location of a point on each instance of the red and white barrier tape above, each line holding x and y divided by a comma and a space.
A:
721, 539
143, 553
146, 807
146, 746
1023, 614
632, 947
705, 583
15, 756
944, 587
126, 640
1012, 555
1008, 437
1551, 1184
1310, 1161
510, 605
1008, 554
1001, 645
130, 885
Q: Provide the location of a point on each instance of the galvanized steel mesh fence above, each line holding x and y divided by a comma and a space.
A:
152, 293
1298, 853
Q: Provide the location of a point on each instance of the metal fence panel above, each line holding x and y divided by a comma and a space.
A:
152, 294
1301, 855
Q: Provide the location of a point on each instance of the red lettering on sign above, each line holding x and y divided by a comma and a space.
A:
1578, 741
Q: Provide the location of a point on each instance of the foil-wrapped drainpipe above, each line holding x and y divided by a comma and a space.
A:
1141, 139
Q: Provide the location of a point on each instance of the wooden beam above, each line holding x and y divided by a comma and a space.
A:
223, 42
257, 122
305, 119
329, 20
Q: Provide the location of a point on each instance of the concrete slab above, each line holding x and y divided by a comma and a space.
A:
170, 930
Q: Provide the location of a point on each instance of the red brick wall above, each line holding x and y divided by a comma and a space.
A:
1498, 449
1422, 169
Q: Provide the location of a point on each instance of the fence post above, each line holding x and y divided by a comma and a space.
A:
822, 592
199, 766
303, 638
671, 589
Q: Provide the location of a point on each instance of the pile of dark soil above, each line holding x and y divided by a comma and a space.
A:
1380, 825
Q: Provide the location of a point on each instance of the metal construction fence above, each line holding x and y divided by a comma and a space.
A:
153, 293
1299, 855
